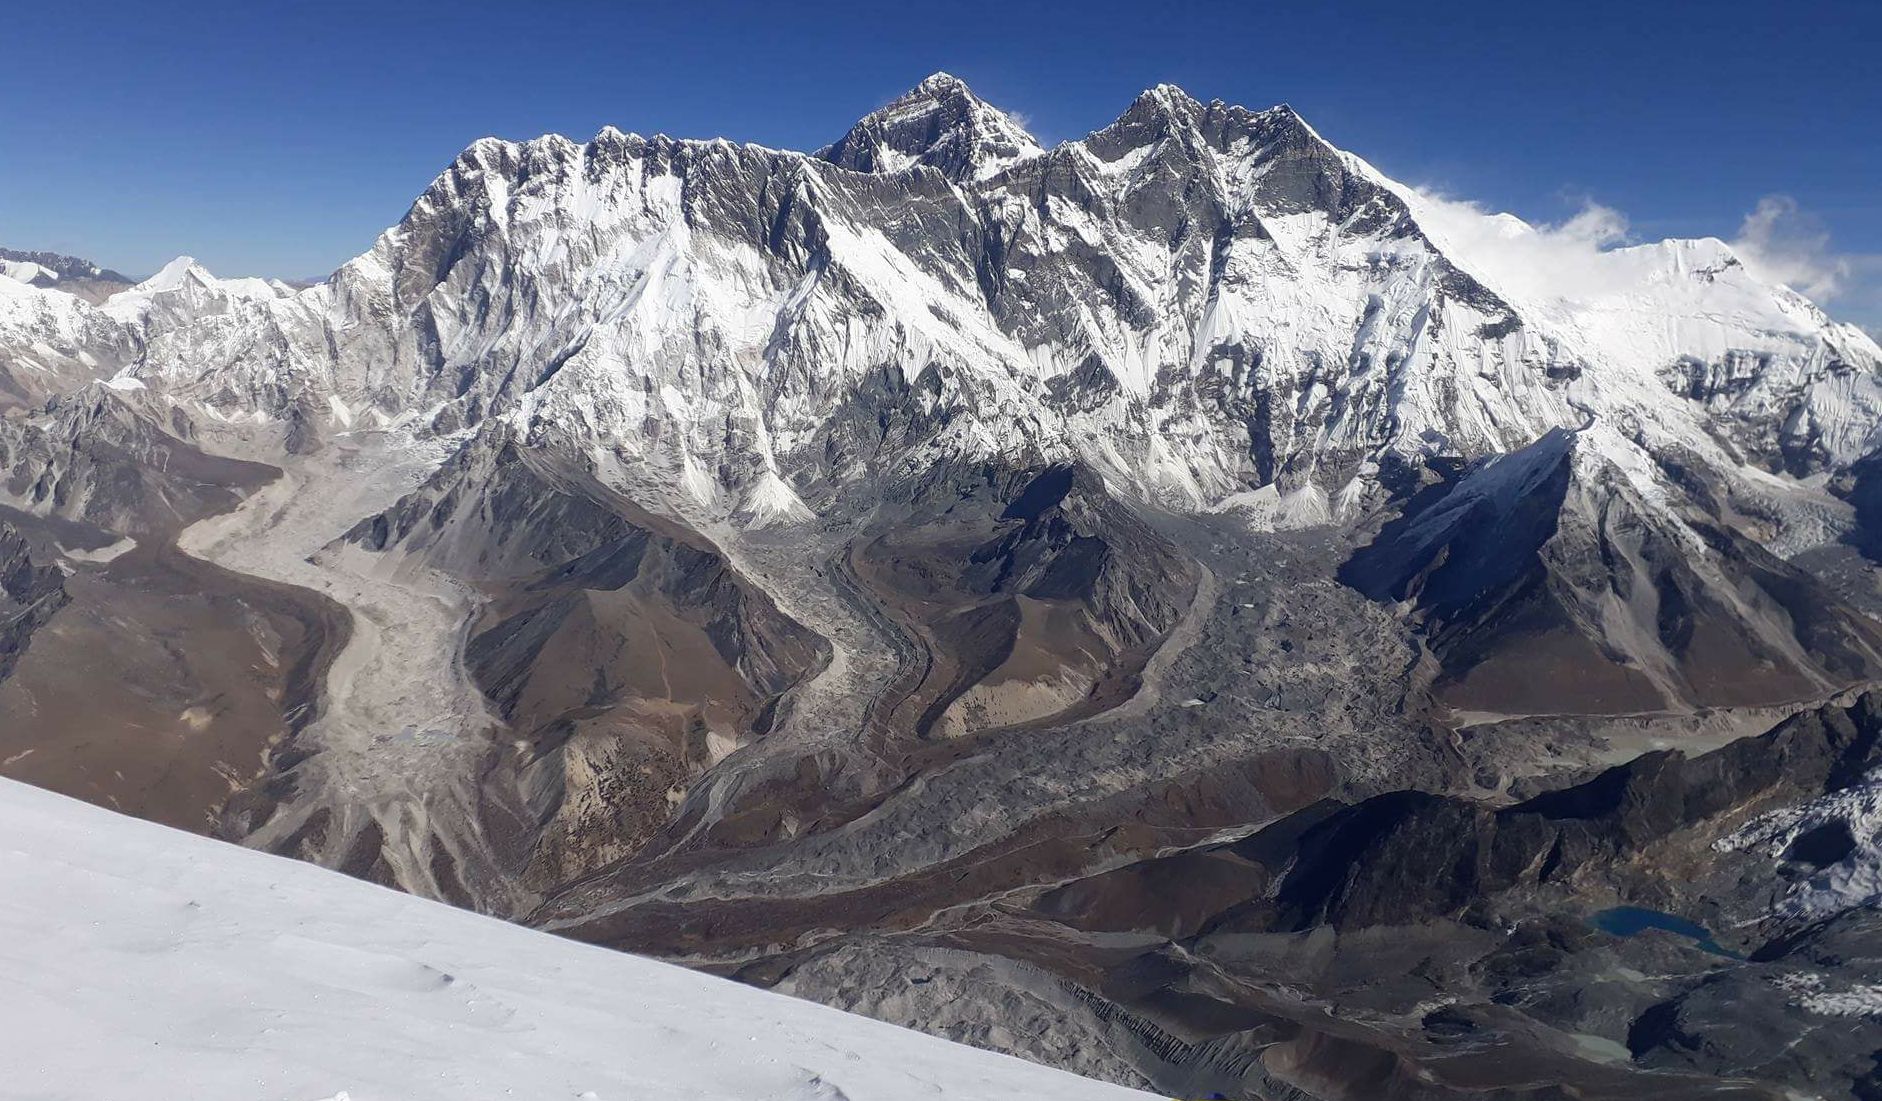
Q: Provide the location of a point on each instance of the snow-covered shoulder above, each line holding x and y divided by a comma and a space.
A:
136, 956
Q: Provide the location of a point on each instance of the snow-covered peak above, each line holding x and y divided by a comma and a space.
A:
1640, 304
184, 289
25, 271
1168, 101
940, 123
174, 275
1157, 113
942, 83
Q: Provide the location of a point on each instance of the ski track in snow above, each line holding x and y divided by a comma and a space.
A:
401, 727
139, 957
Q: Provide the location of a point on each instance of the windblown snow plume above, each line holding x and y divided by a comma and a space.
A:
1572, 261
1782, 243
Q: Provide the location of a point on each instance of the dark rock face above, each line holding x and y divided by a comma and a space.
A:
95, 460
1458, 551
1800, 1014
1861, 486
30, 594
1822, 846
1408, 857
1541, 591
66, 267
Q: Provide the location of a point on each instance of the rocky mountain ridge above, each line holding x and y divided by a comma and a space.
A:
55, 271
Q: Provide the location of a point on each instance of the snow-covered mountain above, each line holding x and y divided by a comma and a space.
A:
1197, 300
54, 271
53, 266
1207, 306
184, 293
799, 562
940, 123
25, 271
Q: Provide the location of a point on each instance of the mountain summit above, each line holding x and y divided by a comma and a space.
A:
940, 123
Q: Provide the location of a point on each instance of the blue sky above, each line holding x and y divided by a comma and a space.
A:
278, 139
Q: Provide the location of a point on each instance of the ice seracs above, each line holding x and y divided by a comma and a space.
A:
1850, 820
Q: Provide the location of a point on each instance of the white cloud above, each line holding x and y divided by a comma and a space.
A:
1570, 259
1585, 257
1598, 226
1782, 243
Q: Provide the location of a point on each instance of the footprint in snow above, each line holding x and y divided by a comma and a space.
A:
813, 1088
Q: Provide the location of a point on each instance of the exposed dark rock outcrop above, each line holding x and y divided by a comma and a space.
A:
1544, 590
92, 458
30, 594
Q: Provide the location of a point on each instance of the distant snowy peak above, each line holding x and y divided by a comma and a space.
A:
941, 124
51, 267
1684, 317
174, 275
184, 289
25, 271
1556, 272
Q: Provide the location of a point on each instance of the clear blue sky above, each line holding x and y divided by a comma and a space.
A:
275, 138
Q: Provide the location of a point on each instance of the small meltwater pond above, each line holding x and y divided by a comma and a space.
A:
1626, 921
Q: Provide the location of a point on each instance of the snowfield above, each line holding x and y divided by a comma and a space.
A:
137, 959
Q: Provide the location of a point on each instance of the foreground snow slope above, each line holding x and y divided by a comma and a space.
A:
135, 957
